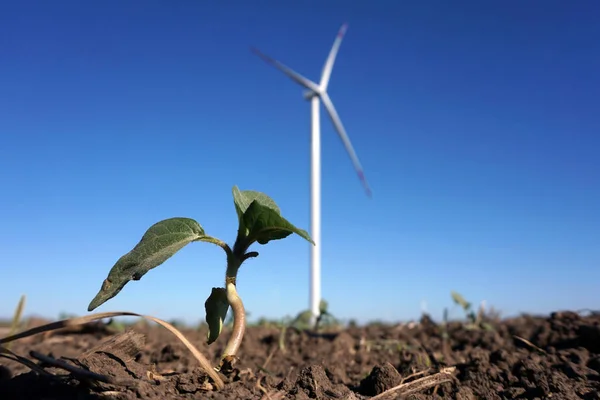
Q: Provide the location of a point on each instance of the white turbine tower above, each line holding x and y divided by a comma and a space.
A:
315, 94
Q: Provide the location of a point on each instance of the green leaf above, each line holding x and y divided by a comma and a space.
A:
242, 200
458, 299
160, 242
216, 310
302, 320
323, 307
264, 224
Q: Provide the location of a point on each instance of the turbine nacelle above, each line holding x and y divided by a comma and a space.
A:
309, 94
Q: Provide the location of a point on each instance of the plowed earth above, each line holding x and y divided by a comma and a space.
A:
556, 357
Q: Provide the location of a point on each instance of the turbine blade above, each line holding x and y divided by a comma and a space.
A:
326, 74
339, 127
296, 77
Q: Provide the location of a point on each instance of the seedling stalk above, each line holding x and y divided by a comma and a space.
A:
260, 221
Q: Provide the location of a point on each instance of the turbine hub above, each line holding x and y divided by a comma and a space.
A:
309, 94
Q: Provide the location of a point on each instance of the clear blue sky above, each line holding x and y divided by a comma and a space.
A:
477, 123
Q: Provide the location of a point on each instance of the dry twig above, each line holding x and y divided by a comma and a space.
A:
528, 343
6, 353
80, 372
403, 389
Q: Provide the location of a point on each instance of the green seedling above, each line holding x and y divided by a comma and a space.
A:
281, 341
474, 319
465, 305
302, 322
16, 319
260, 221
324, 319
445, 336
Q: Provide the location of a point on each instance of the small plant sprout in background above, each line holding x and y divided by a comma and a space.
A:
260, 221
325, 318
445, 336
465, 305
15, 324
475, 320
303, 320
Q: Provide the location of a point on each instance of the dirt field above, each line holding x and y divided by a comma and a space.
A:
556, 357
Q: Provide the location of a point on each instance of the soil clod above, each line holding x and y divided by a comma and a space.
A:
382, 377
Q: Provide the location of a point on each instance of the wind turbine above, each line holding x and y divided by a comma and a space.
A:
316, 93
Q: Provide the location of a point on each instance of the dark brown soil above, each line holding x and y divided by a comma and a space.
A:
522, 358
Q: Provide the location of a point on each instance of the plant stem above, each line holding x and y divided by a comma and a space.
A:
251, 254
239, 322
234, 262
282, 338
219, 243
